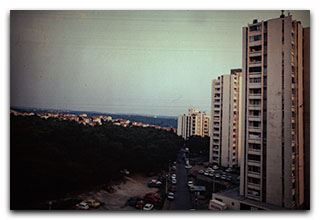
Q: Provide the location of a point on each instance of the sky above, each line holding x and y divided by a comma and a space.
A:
128, 62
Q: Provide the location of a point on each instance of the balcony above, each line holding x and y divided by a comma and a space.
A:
216, 119
254, 106
254, 117
254, 128
255, 95
253, 174
215, 159
255, 43
215, 153
254, 151
254, 85
254, 139
253, 186
255, 63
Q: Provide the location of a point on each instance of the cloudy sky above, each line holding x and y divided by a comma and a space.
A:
142, 62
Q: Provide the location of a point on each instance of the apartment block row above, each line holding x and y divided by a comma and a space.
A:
260, 117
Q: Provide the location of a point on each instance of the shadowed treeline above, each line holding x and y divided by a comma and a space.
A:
50, 158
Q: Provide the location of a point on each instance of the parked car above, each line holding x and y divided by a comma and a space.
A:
173, 176
188, 167
140, 204
154, 183
148, 207
223, 177
217, 175
172, 188
211, 174
201, 171
151, 200
92, 203
229, 178
229, 170
190, 183
206, 173
170, 196
132, 201
174, 181
82, 206
153, 194
215, 167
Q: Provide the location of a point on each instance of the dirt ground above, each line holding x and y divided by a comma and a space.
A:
133, 186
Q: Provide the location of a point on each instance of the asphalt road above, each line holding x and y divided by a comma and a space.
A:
182, 199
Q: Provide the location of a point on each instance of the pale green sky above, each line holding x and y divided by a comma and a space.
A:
143, 62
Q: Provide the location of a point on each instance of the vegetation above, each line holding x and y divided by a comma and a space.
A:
50, 158
198, 145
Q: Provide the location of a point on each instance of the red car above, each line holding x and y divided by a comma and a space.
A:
140, 204
153, 195
151, 200
172, 188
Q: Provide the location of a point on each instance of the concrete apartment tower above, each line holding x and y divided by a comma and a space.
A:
275, 67
194, 123
225, 106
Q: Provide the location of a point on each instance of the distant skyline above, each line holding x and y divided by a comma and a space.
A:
130, 62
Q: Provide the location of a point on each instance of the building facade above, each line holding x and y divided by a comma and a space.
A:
225, 105
272, 120
194, 123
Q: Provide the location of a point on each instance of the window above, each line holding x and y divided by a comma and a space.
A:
256, 27
255, 69
253, 157
255, 38
255, 80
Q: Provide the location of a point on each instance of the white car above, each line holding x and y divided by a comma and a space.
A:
173, 176
190, 183
188, 167
206, 173
201, 171
215, 167
171, 195
82, 206
174, 181
148, 207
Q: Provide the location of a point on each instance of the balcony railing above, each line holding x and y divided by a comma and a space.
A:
254, 127
255, 116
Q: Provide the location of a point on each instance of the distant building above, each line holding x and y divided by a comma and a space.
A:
225, 106
194, 123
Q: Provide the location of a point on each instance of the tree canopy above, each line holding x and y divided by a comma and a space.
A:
50, 158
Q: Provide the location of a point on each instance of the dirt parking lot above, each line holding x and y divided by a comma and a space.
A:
133, 186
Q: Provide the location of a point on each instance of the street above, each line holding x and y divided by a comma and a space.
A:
182, 199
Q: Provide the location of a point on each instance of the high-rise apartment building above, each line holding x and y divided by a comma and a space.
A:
224, 135
273, 139
194, 123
